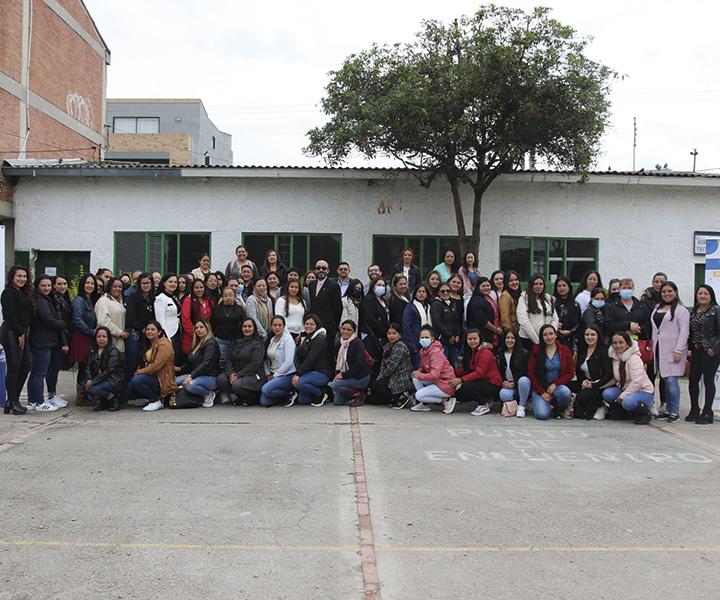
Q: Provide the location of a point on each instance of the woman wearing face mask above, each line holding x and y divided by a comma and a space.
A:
260, 308
314, 370
569, 313
595, 313
613, 291
479, 380
590, 280
352, 301
279, 363
416, 314
705, 340
593, 369
509, 300
627, 313
432, 380
550, 369
375, 319
447, 322
225, 321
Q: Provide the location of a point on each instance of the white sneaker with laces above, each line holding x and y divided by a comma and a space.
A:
30, 407
45, 407
483, 409
57, 400
421, 407
209, 400
450, 405
157, 405
520, 412
600, 412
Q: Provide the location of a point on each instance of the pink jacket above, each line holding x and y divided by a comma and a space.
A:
435, 368
671, 337
636, 379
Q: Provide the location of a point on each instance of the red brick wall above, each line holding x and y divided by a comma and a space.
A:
11, 37
9, 125
78, 12
47, 134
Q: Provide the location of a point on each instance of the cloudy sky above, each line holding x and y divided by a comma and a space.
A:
261, 68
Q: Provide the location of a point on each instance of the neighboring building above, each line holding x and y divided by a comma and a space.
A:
53, 65
165, 132
142, 217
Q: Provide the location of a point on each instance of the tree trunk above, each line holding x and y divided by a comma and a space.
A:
459, 218
477, 219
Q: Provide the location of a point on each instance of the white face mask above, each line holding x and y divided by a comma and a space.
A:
379, 290
425, 342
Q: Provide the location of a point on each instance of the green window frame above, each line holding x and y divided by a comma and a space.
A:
429, 250
549, 256
163, 251
299, 250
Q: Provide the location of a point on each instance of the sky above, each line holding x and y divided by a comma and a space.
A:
261, 68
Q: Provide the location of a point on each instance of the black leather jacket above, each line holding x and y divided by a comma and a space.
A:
204, 361
108, 366
711, 329
518, 363
47, 328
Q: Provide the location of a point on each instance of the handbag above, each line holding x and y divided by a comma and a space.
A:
509, 409
184, 399
646, 351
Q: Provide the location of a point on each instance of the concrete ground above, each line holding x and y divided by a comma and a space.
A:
338, 503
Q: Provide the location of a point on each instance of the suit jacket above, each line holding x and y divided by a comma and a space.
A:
326, 304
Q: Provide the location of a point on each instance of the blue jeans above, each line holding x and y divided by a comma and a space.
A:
277, 387
310, 386
132, 351
143, 386
56, 362
631, 401
428, 392
223, 345
521, 391
102, 390
200, 386
176, 342
561, 397
672, 395
340, 387
451, 353
38, 369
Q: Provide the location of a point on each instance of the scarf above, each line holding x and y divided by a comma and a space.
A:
341, 364
264, 307
424, 310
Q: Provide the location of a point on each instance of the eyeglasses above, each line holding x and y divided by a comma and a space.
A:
445, 291
373, 270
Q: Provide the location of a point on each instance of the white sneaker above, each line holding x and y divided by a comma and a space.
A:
520, 412
157, 405
654, 411
421, 407
209, 400
57, 400
600, 412
45, 407
224, 398
483, 409
138, 402
450, 405
30, 407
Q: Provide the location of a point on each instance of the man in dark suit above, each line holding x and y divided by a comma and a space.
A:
325, 303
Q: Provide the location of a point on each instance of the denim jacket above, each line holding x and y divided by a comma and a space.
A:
284, 356
83, 316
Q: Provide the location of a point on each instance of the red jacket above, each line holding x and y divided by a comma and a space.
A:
567, 371
188, 323
482, 366
435, 368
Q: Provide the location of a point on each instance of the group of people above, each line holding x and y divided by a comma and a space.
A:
269, 334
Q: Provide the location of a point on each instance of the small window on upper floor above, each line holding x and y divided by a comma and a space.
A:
213, 137
136, 125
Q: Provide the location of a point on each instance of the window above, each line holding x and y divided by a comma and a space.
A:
213, 142
136, 125
163, 252
429, 251
549, 257
301, 250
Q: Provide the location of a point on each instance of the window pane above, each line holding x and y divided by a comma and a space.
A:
155, 262
257, 245
386, 253
539, 251
129, 252
148, 125
300, 255
171, 253
556, 248
515, 255
192, 245
428, 256
124, 125
576, 269
284, 245
325, 247
582, 249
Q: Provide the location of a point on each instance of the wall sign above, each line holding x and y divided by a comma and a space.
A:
700, 239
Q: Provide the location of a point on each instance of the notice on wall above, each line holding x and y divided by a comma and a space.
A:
712, 278
51, 271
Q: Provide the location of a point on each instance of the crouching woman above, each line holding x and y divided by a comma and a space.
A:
104, 372
550, 369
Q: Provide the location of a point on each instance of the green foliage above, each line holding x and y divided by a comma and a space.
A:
75, 283
469, 100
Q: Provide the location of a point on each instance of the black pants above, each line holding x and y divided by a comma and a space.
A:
587, 401
18, 363
479, 391
381, 393
704, 366
652, 374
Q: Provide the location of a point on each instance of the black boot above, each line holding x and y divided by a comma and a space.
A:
103, 404
114, 403
14, 406
707, 416
642, 414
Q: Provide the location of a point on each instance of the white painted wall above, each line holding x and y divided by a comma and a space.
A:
645, 224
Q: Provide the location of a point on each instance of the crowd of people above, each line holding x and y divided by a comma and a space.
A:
270, 335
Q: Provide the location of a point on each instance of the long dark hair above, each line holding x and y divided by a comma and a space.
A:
674, 303
583, 282
163, 281
710, 290
428, 298
255, 335
195, 301
492, 281
517, 348
582, 346
571, 295
299, 295
455, 263
514, 294
540, 368
94, 295
628, 340
534, 306
469, 354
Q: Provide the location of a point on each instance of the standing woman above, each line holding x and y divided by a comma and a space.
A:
497, 282
408, 268
512, 361
272, 264
448, 266
273, 286
595, 313
433, 282
184, 287
416, 314
594, 372
398, 298
167, 311
104, 377
535, 309
351, 302
140, 311
447, 321
469, 272
550, 369
84, 321
483, 313
590, 280
651, 297
61, 302
279, 363
212, 289
47, 331
509, 300
197, 305
479, 380
234, 267
291, 305
568, 310
156, 378
110, 311
393, 383
244, 373
259, 308
705, 338
433, 379
203, 267
352, 373
202, 365
375, 319
225, 321
17, 306
671, 330
314, 371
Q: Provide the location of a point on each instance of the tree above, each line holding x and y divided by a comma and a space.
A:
468, 101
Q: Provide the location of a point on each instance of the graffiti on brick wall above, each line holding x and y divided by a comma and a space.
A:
80, 108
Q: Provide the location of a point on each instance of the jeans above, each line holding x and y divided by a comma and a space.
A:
451, 353
132, 351
310, 386
631, 401
521, 391
561, 397
176, 342
200, 386
672, 395
223, 345
103, 390
702, 366
277, 387
340, 386
427, 391
38, 370
56, 362
18, 363
143, 386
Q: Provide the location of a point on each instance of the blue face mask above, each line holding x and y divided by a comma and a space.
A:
598, 303
241, 287
425, 342
626, 294
380, 290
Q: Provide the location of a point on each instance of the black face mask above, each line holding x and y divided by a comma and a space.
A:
357, 294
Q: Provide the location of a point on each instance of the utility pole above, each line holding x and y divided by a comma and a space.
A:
694, 154
634, 140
